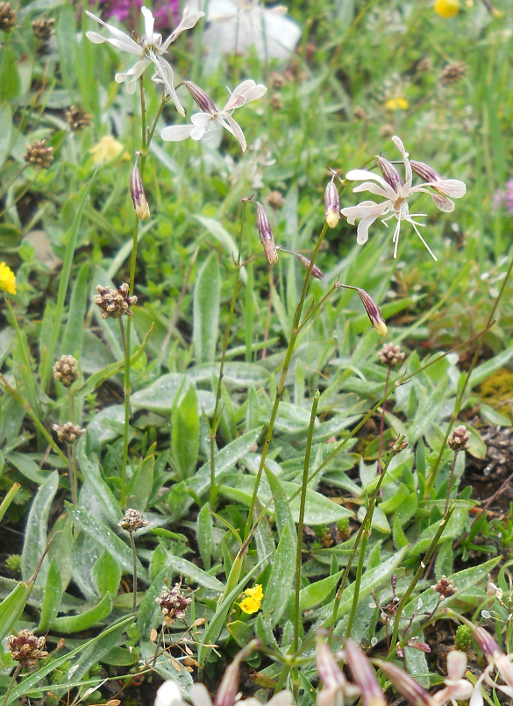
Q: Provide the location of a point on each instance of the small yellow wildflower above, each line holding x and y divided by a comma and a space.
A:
396, 104
7, 279
447, 8
108, 148
254, 596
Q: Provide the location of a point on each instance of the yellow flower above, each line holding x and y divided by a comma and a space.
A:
108, 148
7, 279
396, 104
447, 8
254, 596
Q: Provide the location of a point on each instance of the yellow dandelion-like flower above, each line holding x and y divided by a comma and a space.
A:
396, 104
447, 8
7, 279
108, 148
254, 596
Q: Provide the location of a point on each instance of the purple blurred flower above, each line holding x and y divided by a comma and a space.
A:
165, 12
504, 197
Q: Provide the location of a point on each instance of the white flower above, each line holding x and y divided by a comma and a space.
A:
237, 25
396, 192
456, 688
169, 694
150, 51
205, 123
496, 660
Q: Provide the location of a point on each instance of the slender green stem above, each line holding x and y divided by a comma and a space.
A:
217, 416
300, 526
451, 473
72, 473
8, 499
382, 421
358, 578
70, 404
461, 394
126, 428
281, 385
134, 557
12, 683
165, 99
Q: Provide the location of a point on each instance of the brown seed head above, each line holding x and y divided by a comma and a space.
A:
132, 520
266, 235
141, 206
424, 66
316, 271
69, 432
26, 648
458, 440
276, 101
7, 17
275, 199
387, 130
360, 113
115, 302
391, 355
445, 587
66, 370
201, 98
277, 80
43, 28
39, 154
452, 73
173, 603
77, 118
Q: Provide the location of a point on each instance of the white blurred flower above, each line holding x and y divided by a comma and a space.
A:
169, 694
204, 124
237, 25
150, 51
396, 192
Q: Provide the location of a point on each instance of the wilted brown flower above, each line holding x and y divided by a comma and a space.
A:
7, 17
173, 603
26, 648
453, 73
132, 520
445, 587
66, 370
68, 432
115, 302
266, 235
43, 28
458, 440
77, 118
276, 101
275, 199
39, 154
277, 80
391, 355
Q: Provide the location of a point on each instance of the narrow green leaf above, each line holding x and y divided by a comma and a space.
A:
75, 623
204, 533
12, 607
51, 597
5, 134
206, 310
283, 570
36, 533
185, 434
73, 338
181, 566
107, 574
141, 484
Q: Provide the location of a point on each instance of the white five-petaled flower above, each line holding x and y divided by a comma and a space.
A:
396, 192
150, 51
210, 119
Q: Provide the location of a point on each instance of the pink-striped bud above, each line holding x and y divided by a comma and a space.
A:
330, 673
489, 646
413, 692
266, 235
390, 173
137, 193
201, 98
316, 271
373, 312
331, 205
364, 675
425, 171
229, 686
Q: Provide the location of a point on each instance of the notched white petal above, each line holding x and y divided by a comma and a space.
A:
176, 133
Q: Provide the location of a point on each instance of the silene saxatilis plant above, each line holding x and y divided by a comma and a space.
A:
243, 475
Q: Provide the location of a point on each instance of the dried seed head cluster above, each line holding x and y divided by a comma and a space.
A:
65, 370
173, 603
266, 235
26, 648
132, 520
458, 440
452, 73
115, 302
39, 154
391, 355
275, 199
68, 432
445, 587
7, 17
43, 28
77, 118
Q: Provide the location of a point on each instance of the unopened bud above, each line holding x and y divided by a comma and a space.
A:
445, 587
229, 685
266, 235
137, 192
201, 98
330, 673
364, 675
424, 171
331, 205
390, 173
413, 692
373, 312
487, 643
316, 271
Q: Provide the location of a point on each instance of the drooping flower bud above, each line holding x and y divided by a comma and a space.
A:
364, 675
373, 312
331, 204
316, 271
390, 173
266, 235
137, 192
413, 692
201, 98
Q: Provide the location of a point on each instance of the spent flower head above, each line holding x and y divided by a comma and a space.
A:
445, 587
115, 302
65, 370
26, 648
211, 119
68, 432
149, 50
459, 438
452, 73
7, 17
7, 279
397, 192
39, 154
132, 520
391, 354
77, 118
43, 28
173, 603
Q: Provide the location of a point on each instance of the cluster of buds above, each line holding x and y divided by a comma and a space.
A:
132, 520
115, 302
69, 432
332, 202
65, 370
39, 154
458, 440
173, 603
43, 28
266, 235
452, 73
391, 355
26, 648
141, 206
77, 118
445, 587
7, 17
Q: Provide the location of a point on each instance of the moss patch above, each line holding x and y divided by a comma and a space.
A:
499, 388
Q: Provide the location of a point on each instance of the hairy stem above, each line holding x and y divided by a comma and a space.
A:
134, 589
12, 683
